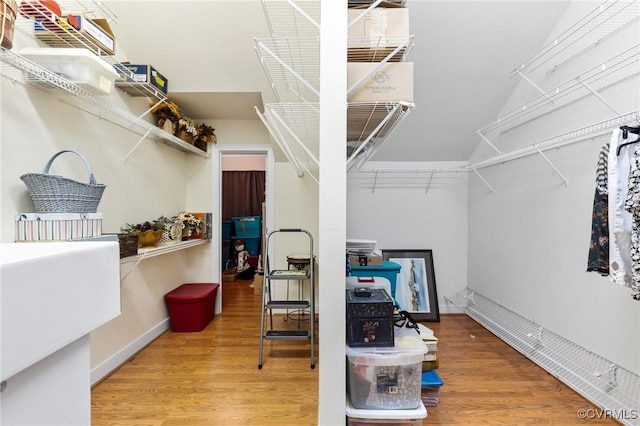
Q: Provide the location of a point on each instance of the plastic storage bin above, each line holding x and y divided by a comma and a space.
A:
77, 65
388, 270
369, 282
227, 227
191, 306
247, 226
357, 417
387, 378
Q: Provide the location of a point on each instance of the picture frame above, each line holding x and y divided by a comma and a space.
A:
415, 290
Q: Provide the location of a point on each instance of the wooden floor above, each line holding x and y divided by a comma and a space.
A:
211, 378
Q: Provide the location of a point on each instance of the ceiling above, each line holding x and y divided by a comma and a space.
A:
463, 54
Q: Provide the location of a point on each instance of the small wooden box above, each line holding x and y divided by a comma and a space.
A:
369, 318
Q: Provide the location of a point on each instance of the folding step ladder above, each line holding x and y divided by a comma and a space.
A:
271, 279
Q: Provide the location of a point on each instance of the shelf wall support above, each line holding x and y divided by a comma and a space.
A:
489, 142
597, 95
304, 14
136, 145
555, 169
277, 136
287, 68
374, 132
295, 137
426, 190
375, 182
484, 180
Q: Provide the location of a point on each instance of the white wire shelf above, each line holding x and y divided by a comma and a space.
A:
602, 22
292, 67
53, 33
368, 127
620, 67
578, 135
295, 19
599, 380
21, 70
160, 249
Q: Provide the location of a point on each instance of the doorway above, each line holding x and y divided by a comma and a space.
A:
245, 188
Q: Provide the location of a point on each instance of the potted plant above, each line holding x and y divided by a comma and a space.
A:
186, 129
167, 115
149, 232
205, 134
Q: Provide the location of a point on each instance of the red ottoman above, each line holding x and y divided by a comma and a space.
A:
191, 306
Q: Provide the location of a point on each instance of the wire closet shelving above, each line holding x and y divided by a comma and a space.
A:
51, 32
291, 61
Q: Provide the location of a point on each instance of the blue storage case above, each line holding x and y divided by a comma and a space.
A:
247, 226
388, 270
430, 388
227, 226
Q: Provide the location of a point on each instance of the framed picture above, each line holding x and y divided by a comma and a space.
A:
415, 283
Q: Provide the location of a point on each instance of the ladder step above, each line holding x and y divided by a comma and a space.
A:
288, 304
287, 335
284, 274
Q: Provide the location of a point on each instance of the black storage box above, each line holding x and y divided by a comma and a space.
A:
369, 318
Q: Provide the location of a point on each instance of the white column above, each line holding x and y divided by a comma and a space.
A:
332, 215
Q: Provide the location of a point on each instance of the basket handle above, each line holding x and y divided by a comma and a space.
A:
92, 178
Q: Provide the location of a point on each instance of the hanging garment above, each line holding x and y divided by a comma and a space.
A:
632, 204
620, 220
598, 260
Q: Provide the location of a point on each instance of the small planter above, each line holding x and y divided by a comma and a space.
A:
149, 238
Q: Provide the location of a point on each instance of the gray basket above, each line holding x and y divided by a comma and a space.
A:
57, 194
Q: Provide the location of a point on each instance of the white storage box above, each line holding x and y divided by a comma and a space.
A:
356, 417
57, 226
384, 26
387, 378
358, 246
77, 65
392, 82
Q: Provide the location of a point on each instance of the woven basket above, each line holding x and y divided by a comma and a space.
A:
230, 272
52, 193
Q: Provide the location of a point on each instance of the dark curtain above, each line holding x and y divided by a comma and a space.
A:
242, 193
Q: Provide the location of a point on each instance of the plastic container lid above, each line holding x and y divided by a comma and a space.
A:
408, 348
431, 378
191, 292
404, 414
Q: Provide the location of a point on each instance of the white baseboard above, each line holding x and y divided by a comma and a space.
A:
111, 364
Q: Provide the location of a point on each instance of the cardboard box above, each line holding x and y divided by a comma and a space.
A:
365, 259
384, 26
145, 73
391, 82
78, 31
57, 226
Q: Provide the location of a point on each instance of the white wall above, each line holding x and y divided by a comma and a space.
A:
528, 242
406, 212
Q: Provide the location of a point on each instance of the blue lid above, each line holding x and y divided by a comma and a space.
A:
431, 378
386, 265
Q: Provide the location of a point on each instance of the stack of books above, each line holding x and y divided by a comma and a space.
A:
431, 382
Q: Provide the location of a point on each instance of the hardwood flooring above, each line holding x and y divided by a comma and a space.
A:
211, 378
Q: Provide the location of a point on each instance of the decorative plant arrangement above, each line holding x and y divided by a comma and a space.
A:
149, 232
177, 228
170, 119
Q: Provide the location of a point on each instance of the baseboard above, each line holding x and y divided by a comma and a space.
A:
105, 368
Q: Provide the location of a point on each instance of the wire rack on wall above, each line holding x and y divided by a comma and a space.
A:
591, 82
601, 381
602, 22
291, 62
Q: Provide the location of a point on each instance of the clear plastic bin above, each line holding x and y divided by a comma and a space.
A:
356, 417
387, 378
